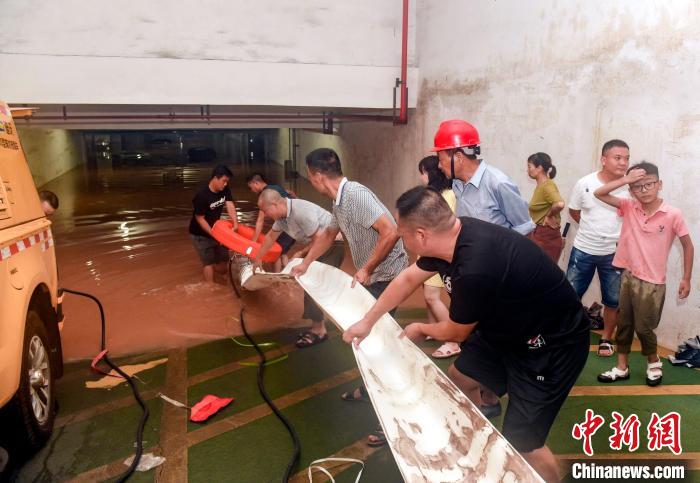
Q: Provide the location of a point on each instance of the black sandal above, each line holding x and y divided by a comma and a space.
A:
307, 339
350, 395
605, 345
379, 438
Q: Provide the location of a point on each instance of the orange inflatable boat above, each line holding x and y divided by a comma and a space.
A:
241, 241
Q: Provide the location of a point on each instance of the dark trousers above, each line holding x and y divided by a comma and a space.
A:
376, 289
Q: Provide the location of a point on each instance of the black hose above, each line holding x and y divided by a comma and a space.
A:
144, 416
263, 392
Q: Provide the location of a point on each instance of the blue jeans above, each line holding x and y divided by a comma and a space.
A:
581, 269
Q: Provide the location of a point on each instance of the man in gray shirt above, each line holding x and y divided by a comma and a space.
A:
370, 229
309, 225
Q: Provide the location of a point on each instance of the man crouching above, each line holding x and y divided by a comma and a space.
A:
525, 332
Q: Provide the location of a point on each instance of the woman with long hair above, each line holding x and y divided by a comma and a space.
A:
546, 205
432, 176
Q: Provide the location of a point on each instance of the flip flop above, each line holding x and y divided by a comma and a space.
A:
350, 395
307, 339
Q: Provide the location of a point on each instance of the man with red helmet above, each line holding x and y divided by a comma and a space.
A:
483, 191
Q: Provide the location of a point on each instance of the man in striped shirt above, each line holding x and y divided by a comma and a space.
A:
370, 229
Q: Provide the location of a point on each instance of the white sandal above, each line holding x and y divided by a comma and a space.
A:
614, 374
446, 350
654, 373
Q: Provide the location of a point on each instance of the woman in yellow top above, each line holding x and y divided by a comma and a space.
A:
432, 176
545, 205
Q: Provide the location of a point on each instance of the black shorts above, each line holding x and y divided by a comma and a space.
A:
285, 242
209, 250
537, 383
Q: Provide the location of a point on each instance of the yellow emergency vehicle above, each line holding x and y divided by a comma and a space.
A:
30, 343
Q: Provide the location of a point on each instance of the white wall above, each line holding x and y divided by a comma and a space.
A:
273, 52
559, 77
50, 152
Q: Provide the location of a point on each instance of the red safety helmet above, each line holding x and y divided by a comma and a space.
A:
455, 133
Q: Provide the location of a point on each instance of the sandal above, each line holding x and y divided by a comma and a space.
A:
614, 374
307, 339
376, 438
350, 395
654, 373
605, 345
446, 350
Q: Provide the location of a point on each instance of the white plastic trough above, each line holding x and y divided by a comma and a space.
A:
434, 431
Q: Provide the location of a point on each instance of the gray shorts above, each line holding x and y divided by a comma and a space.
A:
209, 250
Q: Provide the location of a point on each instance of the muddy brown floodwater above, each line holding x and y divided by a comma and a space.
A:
122, 235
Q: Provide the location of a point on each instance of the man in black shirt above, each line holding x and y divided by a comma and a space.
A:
525, 332
208, 204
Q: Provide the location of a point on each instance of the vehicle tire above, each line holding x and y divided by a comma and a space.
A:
33, 408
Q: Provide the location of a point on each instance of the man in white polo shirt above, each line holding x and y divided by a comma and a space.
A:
598, 233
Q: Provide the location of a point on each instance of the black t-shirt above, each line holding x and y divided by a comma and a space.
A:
517, 294
210, 205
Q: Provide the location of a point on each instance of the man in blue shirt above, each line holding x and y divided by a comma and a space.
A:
483, 191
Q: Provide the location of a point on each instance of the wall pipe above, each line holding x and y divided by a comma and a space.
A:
210, 117
403, 110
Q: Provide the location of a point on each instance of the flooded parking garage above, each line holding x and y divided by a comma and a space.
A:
123, 109
121, 234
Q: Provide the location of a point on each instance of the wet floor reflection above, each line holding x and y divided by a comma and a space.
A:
122, 235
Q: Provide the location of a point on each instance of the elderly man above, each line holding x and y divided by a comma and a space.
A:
309, 225
525, 332
257, 184
482, 191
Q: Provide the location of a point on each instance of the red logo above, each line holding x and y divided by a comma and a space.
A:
665, 432
662, 432
535, 342
587, 429
626, 432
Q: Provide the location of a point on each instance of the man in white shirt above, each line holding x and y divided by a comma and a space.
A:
598, 233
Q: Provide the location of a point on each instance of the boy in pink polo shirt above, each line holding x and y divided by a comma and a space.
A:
649, 228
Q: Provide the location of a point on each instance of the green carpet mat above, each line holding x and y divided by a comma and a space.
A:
259, 451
